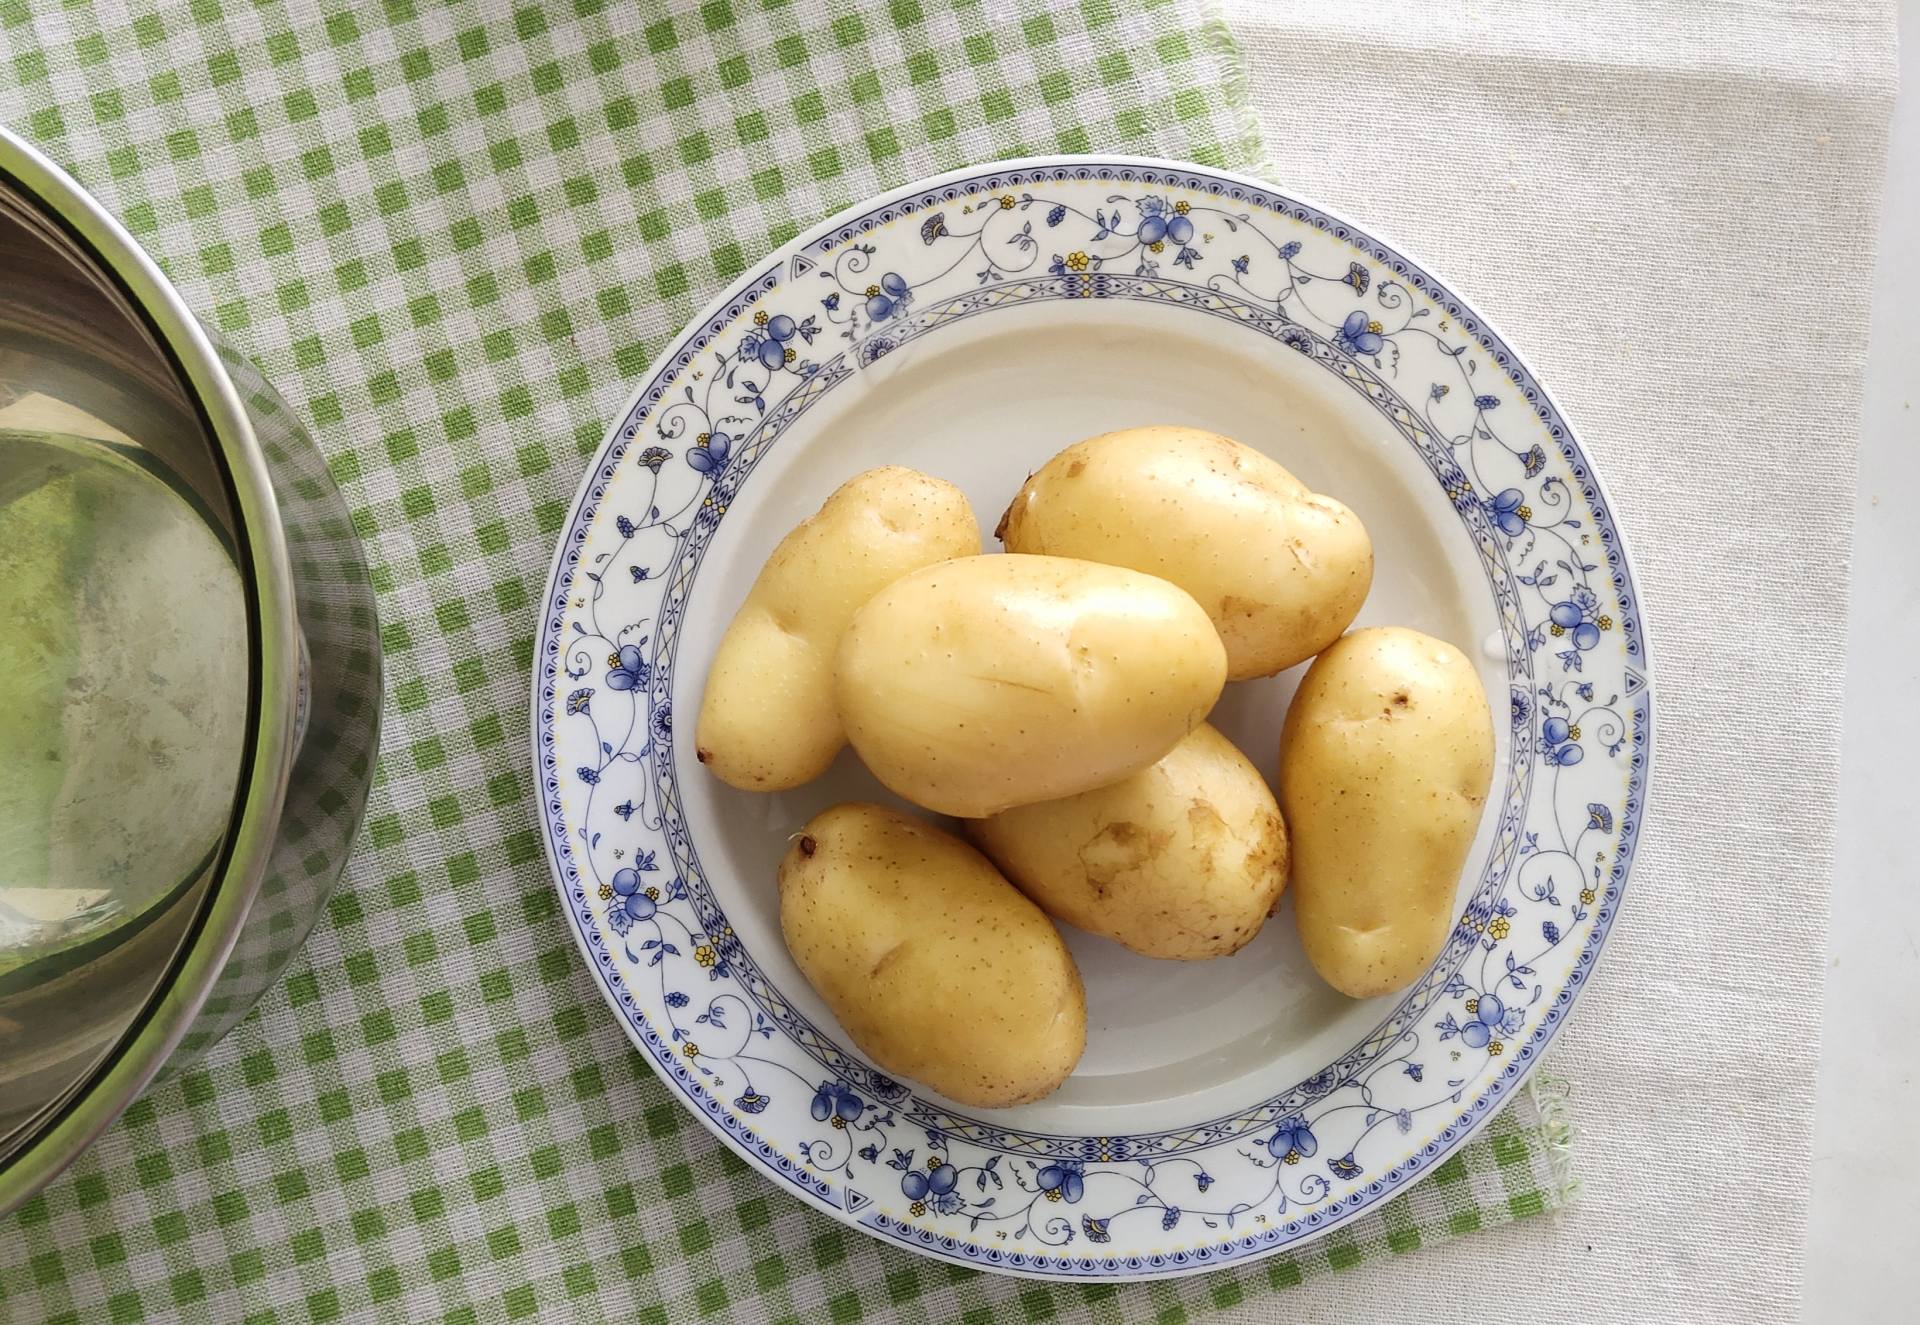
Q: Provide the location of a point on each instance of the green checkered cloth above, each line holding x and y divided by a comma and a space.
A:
453, 232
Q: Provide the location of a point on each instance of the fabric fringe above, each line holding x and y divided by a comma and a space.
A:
1552, 1096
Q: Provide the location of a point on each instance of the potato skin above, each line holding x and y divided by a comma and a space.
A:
768, 721
1185, 859
988, 682
1385, 760
1281, 570
936, 966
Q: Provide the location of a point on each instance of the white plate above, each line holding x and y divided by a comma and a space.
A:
969, 327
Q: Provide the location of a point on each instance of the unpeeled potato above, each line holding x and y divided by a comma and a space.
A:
768, 720
1385, 760
936, 966
988, 682
1281, 570
1184, 859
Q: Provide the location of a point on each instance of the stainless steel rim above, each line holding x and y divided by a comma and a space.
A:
64, 1131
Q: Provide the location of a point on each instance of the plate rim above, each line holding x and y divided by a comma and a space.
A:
770, 266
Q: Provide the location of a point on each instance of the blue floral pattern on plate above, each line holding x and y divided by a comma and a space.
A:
785, 1092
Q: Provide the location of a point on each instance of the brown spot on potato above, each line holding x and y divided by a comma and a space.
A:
1076, 469
1204, 821
887, 957
1006, 517
1117, 850
807, 845
703, 755
1223, 448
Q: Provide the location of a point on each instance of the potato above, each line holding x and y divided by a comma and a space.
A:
1184, 859
1385, 760
936, 966
768, 720
989, 682
1281, 570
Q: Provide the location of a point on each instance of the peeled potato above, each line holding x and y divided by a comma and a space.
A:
768, 721
936, 966
1185, 859
1281, 570
1385, 760
989, 682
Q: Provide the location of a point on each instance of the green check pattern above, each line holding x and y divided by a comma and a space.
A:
454, 232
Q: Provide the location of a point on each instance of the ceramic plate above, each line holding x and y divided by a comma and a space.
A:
970, 326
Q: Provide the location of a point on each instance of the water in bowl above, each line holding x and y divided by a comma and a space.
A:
123, 713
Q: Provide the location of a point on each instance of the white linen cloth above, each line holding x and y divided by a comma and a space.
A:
1670, 210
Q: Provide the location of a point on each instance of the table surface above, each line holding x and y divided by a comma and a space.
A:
1866, 1194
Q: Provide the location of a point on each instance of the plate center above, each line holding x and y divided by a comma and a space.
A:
981, 404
